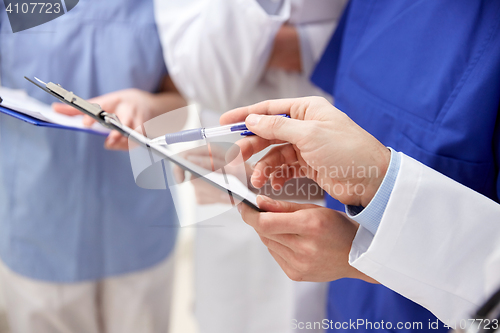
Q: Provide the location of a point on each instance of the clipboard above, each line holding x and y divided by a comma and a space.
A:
112, 122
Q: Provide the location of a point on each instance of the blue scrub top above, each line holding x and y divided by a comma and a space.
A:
424, 78
69, 209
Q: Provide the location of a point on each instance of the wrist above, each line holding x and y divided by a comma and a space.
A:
355, 274
382, 162
163, 102
156, 102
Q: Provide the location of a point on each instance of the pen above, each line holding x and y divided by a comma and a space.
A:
204, 133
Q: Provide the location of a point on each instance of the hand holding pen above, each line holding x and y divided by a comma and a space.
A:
205, 133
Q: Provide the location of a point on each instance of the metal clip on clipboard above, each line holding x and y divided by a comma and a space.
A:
108, 120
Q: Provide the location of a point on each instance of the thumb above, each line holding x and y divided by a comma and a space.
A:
275, 206
276, 127
88, 121
107, 102
65, 109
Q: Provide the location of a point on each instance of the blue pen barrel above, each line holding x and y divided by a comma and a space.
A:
238, 127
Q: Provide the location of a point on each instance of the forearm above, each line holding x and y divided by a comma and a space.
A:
167, 101
164, 102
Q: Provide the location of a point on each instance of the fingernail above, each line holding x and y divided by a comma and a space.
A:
238, 206
253, 119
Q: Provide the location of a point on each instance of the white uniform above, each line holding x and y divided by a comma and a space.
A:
438, 243
216, 52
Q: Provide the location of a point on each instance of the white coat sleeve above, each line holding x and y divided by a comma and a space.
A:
434, 244
217, 50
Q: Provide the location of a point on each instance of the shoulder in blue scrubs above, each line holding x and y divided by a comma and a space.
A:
424, 78
69, 209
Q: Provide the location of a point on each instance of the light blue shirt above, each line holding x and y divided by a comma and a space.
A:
69, 209
371, 216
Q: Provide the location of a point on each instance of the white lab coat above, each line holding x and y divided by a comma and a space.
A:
216, 53
438, 243
217, 50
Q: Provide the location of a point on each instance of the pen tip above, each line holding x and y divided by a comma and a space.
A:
40, 81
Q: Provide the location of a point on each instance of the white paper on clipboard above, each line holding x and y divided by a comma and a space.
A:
20, 101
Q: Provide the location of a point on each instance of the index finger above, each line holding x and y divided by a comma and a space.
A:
68, 110
276, 106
